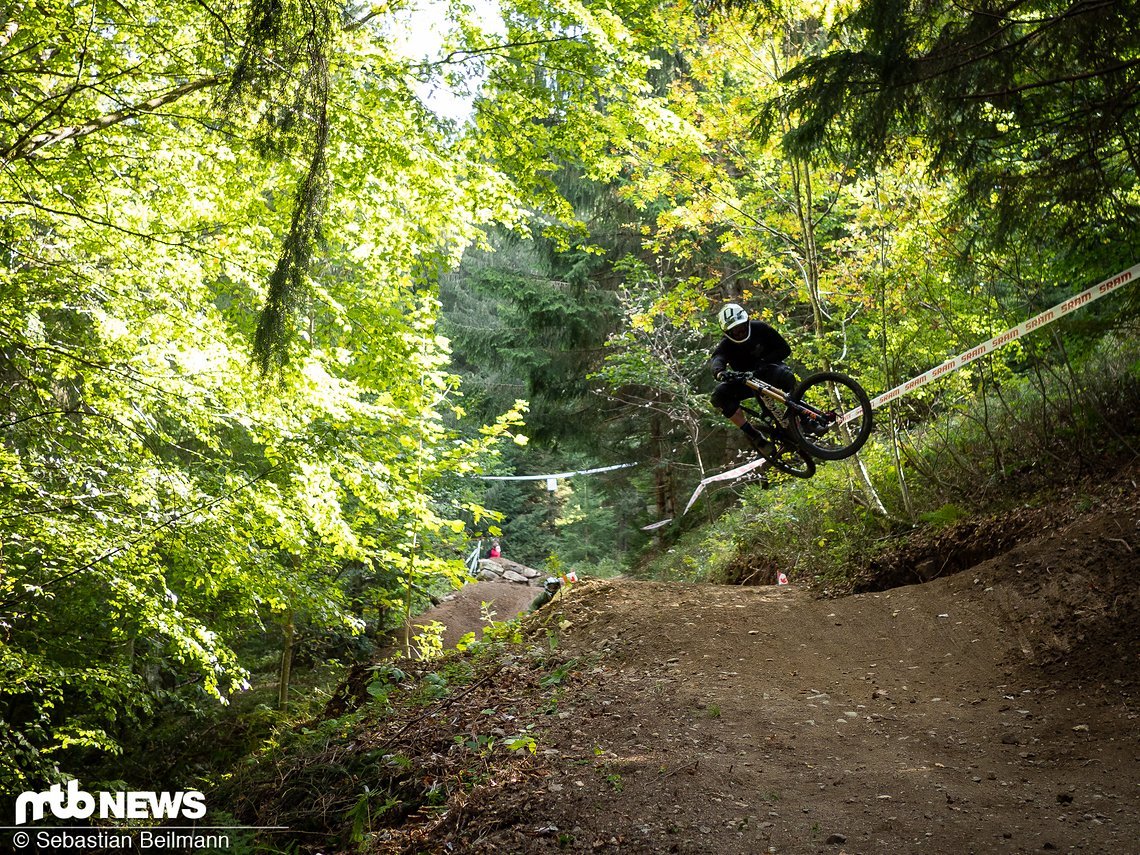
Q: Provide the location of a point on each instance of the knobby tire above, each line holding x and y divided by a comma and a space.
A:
801, 465
850, 437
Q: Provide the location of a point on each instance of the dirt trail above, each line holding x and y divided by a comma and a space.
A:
992, 711
996, 710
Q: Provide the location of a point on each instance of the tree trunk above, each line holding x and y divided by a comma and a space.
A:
408, 605
904, 488
286, 663
888, 374
664, 493
802, 182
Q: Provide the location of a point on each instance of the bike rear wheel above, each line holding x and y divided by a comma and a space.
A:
792, 461
834, 419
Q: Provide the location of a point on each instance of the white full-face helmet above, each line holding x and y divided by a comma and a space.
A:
734, 322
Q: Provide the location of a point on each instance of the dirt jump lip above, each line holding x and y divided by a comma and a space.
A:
991, 710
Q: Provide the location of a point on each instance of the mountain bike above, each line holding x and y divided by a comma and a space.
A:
826, 416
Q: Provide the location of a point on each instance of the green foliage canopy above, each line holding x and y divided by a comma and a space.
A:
1034, 104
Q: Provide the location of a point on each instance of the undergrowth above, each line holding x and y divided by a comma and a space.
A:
404, 745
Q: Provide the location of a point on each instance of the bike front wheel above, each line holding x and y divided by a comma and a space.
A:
829, 415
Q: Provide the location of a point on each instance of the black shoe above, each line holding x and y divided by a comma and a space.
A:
758, 441
764, 447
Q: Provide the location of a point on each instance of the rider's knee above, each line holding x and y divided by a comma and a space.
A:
724, 400
784, 377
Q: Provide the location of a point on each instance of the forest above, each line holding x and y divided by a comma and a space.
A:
282, 280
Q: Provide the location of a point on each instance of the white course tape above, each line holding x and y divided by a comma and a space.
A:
999, 341
731, 474
555, 474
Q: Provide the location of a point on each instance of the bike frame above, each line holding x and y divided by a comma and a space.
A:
766, 389
776, 430
777, 394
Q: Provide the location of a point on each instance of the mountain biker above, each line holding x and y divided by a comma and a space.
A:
748, 346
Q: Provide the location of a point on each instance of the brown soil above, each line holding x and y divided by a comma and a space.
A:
465, 610
993, 710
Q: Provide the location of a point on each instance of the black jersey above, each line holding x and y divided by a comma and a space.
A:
763, 346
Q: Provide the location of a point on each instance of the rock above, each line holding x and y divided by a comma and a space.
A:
836, 840
488, 576
503, 568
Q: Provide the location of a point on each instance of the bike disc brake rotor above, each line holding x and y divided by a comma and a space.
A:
819, 425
